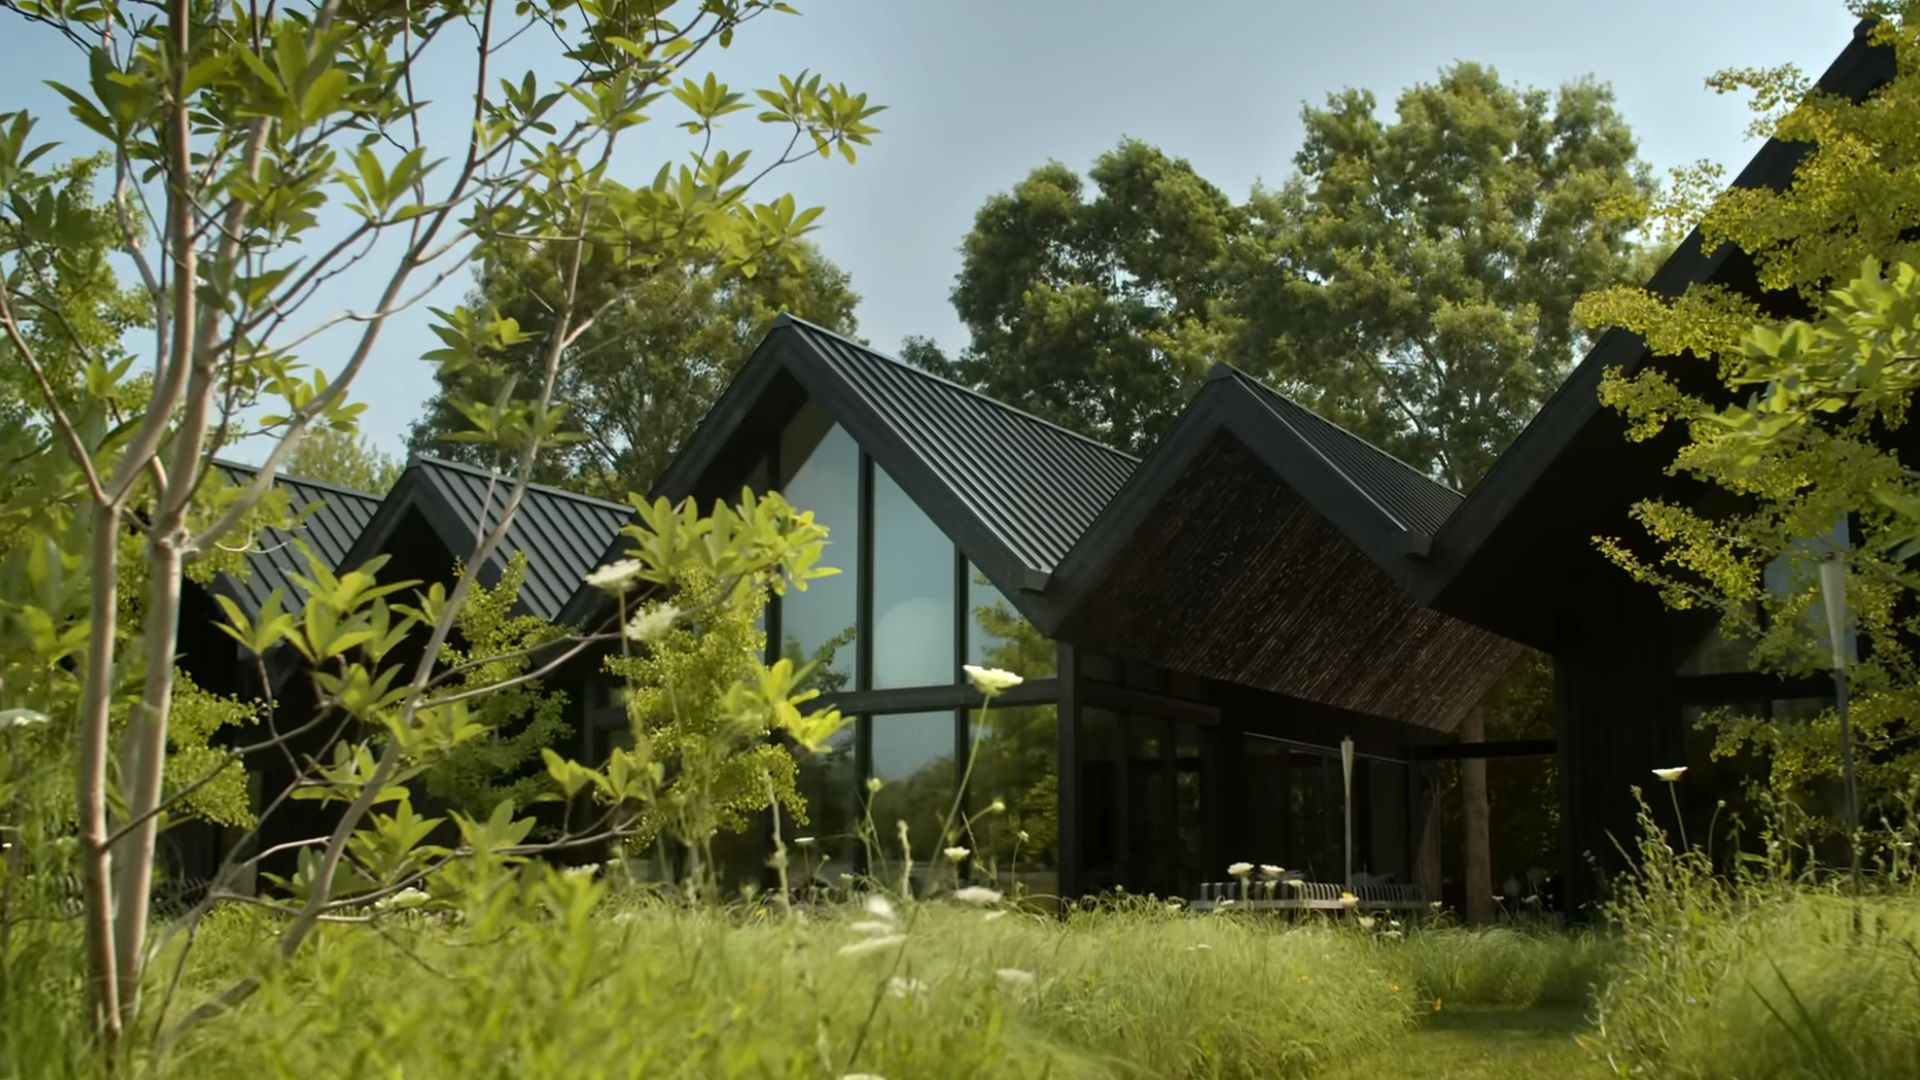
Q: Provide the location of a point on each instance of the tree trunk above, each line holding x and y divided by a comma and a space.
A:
1478, 873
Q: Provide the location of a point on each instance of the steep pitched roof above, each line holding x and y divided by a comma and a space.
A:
1013, 491
1035, 484
328, 520
563, 534
1414, 500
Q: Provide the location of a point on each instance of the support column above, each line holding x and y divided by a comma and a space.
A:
1424, 779
1478, 870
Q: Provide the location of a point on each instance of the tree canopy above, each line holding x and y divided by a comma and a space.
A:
1414, 280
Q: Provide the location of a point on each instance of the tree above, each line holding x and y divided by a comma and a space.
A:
1427, 268
1415, 280
1102, 313
344, 459
635, 383
1798, 440
258, 155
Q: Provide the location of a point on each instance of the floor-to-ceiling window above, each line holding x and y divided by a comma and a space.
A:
890, 633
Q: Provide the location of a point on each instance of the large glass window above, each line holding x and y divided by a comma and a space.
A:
913, 758
1101, 825
913, 584
821, 464
999, 636
829, 781
1016, 760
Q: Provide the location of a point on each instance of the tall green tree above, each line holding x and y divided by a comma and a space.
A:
1099, 310
346, 459
666, 343
1416, 279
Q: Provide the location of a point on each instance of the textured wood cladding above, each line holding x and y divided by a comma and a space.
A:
1238, 578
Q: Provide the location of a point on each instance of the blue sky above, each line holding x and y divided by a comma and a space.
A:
979, 92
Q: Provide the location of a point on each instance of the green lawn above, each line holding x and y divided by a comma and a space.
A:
1483, 1044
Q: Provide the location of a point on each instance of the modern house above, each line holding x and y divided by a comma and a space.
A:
1202, 631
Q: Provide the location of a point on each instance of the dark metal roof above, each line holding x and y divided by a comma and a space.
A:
329, 520
563, 534
1035, 485
1415, 501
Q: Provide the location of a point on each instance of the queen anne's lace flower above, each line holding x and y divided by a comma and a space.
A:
617, 577
991, 681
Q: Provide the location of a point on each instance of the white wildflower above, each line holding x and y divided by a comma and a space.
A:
652, 622
1367, 922
1240, 869
1348, 900
991, 681
1272, 871
617, 577
803, 841
1296, 884
1671, 775
874, 784
879, 907
1392, 934
1013, 978
874, 944
900, 987
998, 806
406, 898
21, 718
957, 854
1435, 904
977, 895
1022, 834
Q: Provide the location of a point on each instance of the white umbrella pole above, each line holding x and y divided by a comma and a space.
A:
1346, 769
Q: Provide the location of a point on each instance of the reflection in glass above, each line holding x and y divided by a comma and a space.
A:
1384, 847
822, 467
912, 592
998, 636
913, 757
829, 783
1316, 834
1100, 824
1193, 747
1149, 830
1017, 761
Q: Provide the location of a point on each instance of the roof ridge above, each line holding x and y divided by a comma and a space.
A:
962, 387
549, 489
324, 485
1231, 371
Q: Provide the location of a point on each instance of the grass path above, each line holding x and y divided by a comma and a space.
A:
1484, 1044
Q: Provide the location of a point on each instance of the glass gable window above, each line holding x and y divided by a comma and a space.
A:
913, 586
821, 464
997, 634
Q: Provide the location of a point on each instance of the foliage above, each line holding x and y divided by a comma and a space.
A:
519, 718
1802, 429
344, 459
1506, 967
663, 991
1764, 973
704, 709
1100, 314
1433, 262
263, 161
666, 342
1414, 280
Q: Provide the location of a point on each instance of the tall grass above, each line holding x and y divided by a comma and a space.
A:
658, 990
1768, 974
1505, 967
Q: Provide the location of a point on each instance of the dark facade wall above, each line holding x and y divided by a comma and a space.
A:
1617, 720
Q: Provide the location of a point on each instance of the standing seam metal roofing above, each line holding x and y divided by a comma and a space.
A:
1035, 485
333, 520
564, 535
1410, 497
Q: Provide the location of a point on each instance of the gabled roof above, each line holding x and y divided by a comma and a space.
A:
563, 534
1013, 491
1262, 545
1571, 470
328, 520
1415, 501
